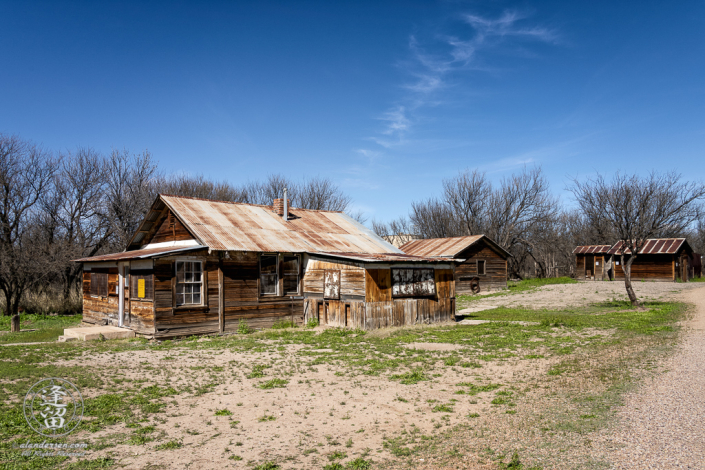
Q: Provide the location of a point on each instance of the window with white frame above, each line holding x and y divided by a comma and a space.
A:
268, 274
189, 283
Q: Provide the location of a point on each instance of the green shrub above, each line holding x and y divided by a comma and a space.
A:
243, 328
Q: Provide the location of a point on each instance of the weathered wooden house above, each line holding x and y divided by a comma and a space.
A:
661, 259
592, 262
481, 265
197, 266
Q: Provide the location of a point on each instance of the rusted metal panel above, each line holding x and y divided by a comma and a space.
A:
447, 247
247, 227
137, 254
591, 249
387, 257
655, 246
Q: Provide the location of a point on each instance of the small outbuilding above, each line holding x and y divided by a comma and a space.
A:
481, 263
592, 262
197, 266
661, 259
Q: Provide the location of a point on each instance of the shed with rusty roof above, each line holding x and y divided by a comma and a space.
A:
592, 262
201, 266
661, 259
481, 265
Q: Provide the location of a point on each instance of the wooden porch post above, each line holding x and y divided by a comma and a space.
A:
221, 298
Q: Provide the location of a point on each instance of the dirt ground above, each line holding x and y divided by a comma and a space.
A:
583, 293
324, 412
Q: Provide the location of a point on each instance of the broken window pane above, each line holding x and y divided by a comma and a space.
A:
268, 268
411, 282
291, 275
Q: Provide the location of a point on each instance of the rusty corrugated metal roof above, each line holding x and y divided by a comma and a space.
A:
228, 226
387, 257
447, 247
591, 249
137, 254
654, 246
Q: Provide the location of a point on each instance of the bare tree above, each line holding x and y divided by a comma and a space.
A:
639, 208
433, 218
469, 194
26, 171
321, 194
130, 189
200, 187
73, 223
264, 192
397, 232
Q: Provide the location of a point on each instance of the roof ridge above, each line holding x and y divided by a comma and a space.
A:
245, 203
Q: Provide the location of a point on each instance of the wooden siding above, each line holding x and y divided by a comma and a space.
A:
378, 285
101, 310
352, 279
495, 276
373, 315
237, 278
170, 229
648, 268
141, 317
231, 283
380, 310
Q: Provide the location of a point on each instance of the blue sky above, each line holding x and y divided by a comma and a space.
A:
385, 98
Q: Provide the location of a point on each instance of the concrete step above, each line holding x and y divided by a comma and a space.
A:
94, 333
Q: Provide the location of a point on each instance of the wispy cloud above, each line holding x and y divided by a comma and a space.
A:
431, 65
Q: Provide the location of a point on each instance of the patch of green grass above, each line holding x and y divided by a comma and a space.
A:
47, 327
281, 324
171, 445
257, 371
312, 323
274, 383
410, 377
474, 389
359, 464
337, 455
224, 412
442, 408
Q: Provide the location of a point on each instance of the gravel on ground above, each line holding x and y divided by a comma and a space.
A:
662, 423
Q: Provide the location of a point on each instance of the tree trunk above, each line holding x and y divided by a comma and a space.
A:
15, 324
627, 268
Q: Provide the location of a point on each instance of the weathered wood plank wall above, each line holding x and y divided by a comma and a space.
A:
649, 268
374, 315
495, 276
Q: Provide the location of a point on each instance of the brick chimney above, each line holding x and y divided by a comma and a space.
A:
278, 206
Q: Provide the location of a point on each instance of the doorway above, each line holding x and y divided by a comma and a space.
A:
123, 293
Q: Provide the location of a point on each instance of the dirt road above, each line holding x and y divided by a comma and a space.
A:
662, 425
